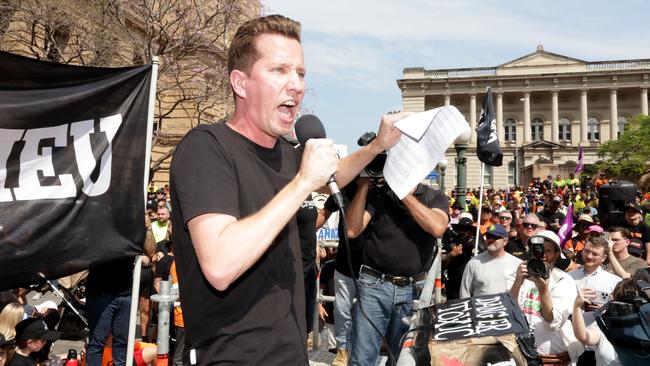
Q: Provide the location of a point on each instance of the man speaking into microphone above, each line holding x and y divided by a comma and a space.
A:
236, 187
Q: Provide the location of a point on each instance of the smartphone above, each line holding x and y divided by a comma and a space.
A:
601, 297
606, 235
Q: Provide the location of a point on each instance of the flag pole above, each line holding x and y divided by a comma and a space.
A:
137, 269
480, 207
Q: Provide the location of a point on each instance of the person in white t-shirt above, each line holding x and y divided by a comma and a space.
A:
492, 271
591, 275
547, 303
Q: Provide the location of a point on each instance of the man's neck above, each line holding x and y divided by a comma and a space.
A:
622, 255
590, 270
248, 129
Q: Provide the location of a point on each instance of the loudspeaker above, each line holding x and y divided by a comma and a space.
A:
611, 201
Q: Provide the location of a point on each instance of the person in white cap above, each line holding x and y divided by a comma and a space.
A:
547, 303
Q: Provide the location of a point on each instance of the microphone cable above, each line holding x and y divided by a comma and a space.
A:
348, 251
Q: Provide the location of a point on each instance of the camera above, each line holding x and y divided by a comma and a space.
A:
374, 169
536, 265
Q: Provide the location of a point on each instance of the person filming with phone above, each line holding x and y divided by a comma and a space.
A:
545, 295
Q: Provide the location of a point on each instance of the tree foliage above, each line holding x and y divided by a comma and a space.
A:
628, 158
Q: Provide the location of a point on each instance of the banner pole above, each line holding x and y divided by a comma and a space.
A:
137, 269
480, 207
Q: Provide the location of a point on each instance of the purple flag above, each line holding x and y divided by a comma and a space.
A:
581, 164
567, 227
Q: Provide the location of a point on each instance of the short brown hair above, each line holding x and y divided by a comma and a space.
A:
242, 53
599, 241
619, 229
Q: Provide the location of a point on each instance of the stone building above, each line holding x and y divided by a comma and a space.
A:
547, 105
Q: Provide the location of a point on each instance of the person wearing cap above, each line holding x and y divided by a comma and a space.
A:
492, 271
5, 347
31, 335
486, 219
620, 262
577, 243
551, 216
639, 231
547, 303
529, 226
458, 244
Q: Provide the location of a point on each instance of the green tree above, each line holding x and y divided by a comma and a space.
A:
628, 157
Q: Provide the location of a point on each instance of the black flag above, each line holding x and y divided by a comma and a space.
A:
72, 160
487, 144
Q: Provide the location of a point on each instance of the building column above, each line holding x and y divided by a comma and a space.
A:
584, 140
644, 101
414, 104
527, 127
447, 100
555, 118
500, 131
472, 115
613, 115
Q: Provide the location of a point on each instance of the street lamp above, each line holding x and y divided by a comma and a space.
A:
442, 165
461, 144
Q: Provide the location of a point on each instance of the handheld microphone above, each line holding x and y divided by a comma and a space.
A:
308, 127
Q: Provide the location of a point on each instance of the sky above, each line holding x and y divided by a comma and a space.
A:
355, 50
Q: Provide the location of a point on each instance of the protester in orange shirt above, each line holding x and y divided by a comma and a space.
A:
600, 181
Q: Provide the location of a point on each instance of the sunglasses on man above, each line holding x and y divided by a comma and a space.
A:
505, 218
529, 225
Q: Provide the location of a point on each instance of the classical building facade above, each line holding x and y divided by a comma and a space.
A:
547, 106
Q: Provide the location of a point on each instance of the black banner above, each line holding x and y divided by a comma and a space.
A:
487, 139
72, 151
488, 315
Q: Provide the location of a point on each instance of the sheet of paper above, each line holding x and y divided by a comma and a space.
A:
425, 138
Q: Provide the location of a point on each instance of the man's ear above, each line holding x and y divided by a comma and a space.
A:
238, 80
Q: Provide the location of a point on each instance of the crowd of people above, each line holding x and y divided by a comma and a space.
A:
243, 248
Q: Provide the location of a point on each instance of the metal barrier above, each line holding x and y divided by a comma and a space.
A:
320, 298
164, 299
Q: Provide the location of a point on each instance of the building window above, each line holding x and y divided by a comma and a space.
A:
593, 129
510, 127
622, 125
537, 126
564, 131
487, 175
512, 165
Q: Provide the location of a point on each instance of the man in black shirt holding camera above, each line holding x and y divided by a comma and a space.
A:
399, 241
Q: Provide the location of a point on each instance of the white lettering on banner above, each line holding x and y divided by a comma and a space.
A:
7, 139
456, 321
32, 160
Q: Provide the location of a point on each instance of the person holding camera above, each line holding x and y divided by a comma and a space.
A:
398, 250
545, 295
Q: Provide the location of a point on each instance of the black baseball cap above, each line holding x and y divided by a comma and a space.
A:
633, 206
4, 342
35, 328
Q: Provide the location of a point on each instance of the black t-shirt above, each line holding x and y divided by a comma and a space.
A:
355, 245
551, 218
113, 278
260, 318
20, 360
639, 235
394, 242
163, 267
517, 248
306, 217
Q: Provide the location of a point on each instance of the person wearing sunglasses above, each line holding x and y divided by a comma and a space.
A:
492, 271
505, 220
518, 247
